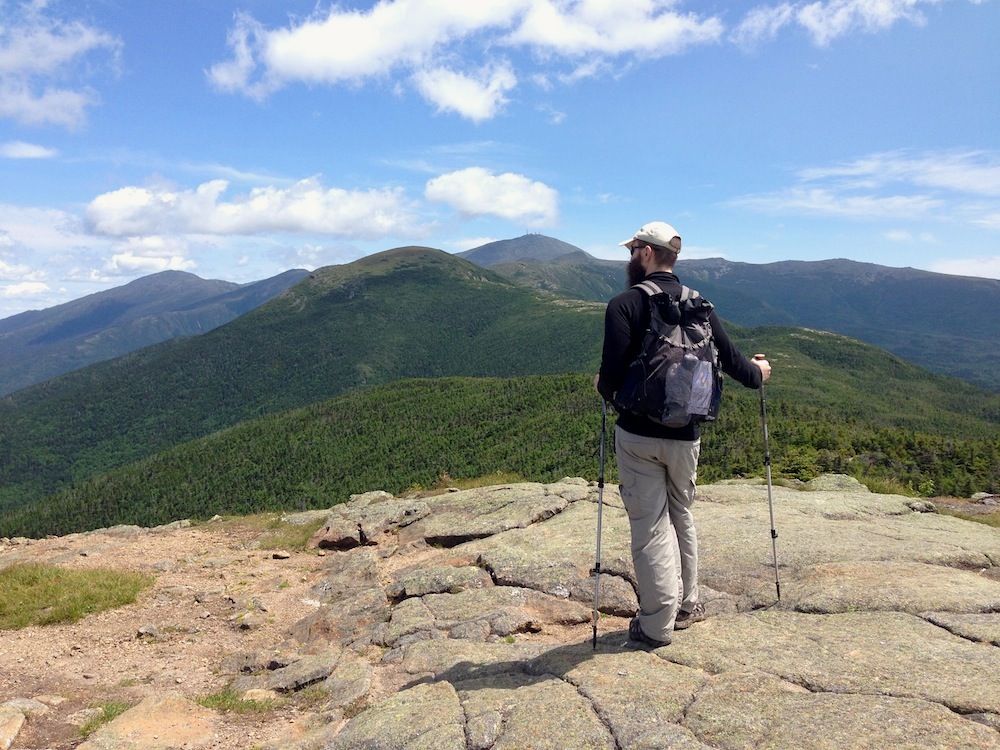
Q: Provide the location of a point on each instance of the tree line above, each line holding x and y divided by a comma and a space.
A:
409, 434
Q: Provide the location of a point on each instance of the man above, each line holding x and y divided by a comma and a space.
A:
657, 465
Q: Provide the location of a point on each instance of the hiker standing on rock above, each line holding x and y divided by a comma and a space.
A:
658, 464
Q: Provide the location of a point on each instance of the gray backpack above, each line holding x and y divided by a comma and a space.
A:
676, 378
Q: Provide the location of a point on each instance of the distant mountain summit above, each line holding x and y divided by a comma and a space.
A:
41, 344
533, 247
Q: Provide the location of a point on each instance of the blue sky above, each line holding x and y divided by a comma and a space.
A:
235, 140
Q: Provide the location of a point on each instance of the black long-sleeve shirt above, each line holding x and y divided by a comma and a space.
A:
625, 323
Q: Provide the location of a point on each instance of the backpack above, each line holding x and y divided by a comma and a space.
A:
676, 378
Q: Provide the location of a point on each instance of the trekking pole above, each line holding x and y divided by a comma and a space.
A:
600, 509
770, 497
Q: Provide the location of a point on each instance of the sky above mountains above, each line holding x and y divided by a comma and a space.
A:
236, 140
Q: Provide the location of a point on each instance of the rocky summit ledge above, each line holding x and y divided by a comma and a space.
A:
463, 620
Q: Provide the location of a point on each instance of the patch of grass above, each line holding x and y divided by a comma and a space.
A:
488, 480
990, 519
110, 711
355, 707
312, 695
229, 700
41, 594
253, 523
882, 486
290, 536
271, 532
446, 482
792, 484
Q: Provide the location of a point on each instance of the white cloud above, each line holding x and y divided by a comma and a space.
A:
309, 255
41, 229
477, 97
39, 55
955, 186
898, 235
18, 271
477, 192
22, 150
244, 40
443, 46
991, 221
149, 255
826, 20
58, 107
440, 44
435, 43
347, 46
973, 172
24, 290
470, 243
304, 208
645, 28
902, 235
762, 25
552, 114
985, 267
821, 202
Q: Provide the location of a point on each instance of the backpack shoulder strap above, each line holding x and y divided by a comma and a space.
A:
648, 287
688, 293
651, 288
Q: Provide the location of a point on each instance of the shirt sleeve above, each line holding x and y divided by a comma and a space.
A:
621, 343
733, 362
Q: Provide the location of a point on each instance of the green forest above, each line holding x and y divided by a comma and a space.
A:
411, 434
409, 315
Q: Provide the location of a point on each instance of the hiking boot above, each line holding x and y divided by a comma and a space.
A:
687, 619
636, 636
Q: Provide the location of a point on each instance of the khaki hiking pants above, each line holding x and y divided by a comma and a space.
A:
658, 478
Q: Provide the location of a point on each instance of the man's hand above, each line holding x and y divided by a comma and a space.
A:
765, 367
597, 380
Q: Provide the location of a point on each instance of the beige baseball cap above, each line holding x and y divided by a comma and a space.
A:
656, 233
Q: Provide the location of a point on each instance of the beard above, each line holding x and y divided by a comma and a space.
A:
633, 271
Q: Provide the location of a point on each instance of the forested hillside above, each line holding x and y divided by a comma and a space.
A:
41, 344
835, 405
410, 312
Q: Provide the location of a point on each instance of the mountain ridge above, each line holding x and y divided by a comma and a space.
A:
40, 344
906, 311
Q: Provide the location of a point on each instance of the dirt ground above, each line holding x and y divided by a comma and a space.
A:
215, 593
